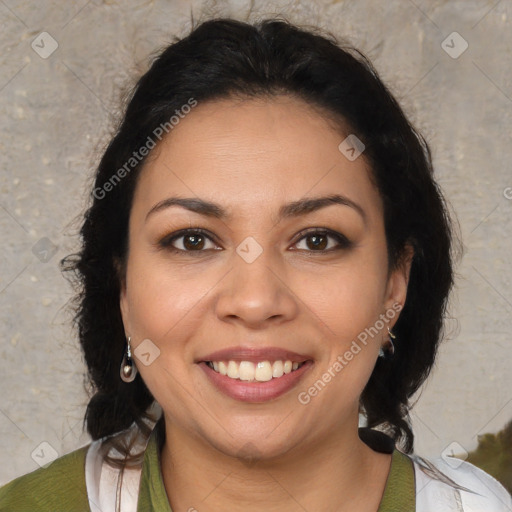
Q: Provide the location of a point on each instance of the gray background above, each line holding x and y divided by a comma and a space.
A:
56, 114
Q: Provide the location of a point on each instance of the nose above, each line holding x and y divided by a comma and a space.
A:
256, 292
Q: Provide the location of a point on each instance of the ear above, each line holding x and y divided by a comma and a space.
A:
398, 280
123, 306
123, 300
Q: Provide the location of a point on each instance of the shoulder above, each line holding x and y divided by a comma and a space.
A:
59, 486
456, 483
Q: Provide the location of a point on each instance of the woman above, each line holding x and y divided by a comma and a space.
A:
267, 256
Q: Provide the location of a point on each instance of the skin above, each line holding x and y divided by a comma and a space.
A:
251, 157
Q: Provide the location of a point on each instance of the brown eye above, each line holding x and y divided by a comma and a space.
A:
192, 242
318, 241
188, 240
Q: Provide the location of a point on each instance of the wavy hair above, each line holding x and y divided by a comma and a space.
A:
224, 58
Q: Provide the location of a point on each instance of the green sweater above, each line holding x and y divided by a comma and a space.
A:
61, 487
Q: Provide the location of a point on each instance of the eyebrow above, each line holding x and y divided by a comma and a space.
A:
289, 210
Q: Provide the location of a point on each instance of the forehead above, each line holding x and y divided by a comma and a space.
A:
248, 153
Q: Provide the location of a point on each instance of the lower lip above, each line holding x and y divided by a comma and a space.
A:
246, 391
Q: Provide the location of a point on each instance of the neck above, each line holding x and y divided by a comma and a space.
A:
337, 473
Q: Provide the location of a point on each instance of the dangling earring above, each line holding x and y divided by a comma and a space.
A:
388, 350
128, 369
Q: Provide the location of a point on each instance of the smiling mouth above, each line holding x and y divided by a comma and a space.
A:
261, 371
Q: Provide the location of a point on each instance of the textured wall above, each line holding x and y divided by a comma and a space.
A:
56, 111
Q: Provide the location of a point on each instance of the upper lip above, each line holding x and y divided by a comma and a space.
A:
254, 354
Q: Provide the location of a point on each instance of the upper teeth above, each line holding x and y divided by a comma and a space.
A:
247, 370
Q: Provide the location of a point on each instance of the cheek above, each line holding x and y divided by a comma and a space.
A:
161, 300
354, 291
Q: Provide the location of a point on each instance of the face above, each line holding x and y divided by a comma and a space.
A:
266, 273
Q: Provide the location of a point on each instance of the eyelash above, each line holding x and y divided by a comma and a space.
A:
343, 241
